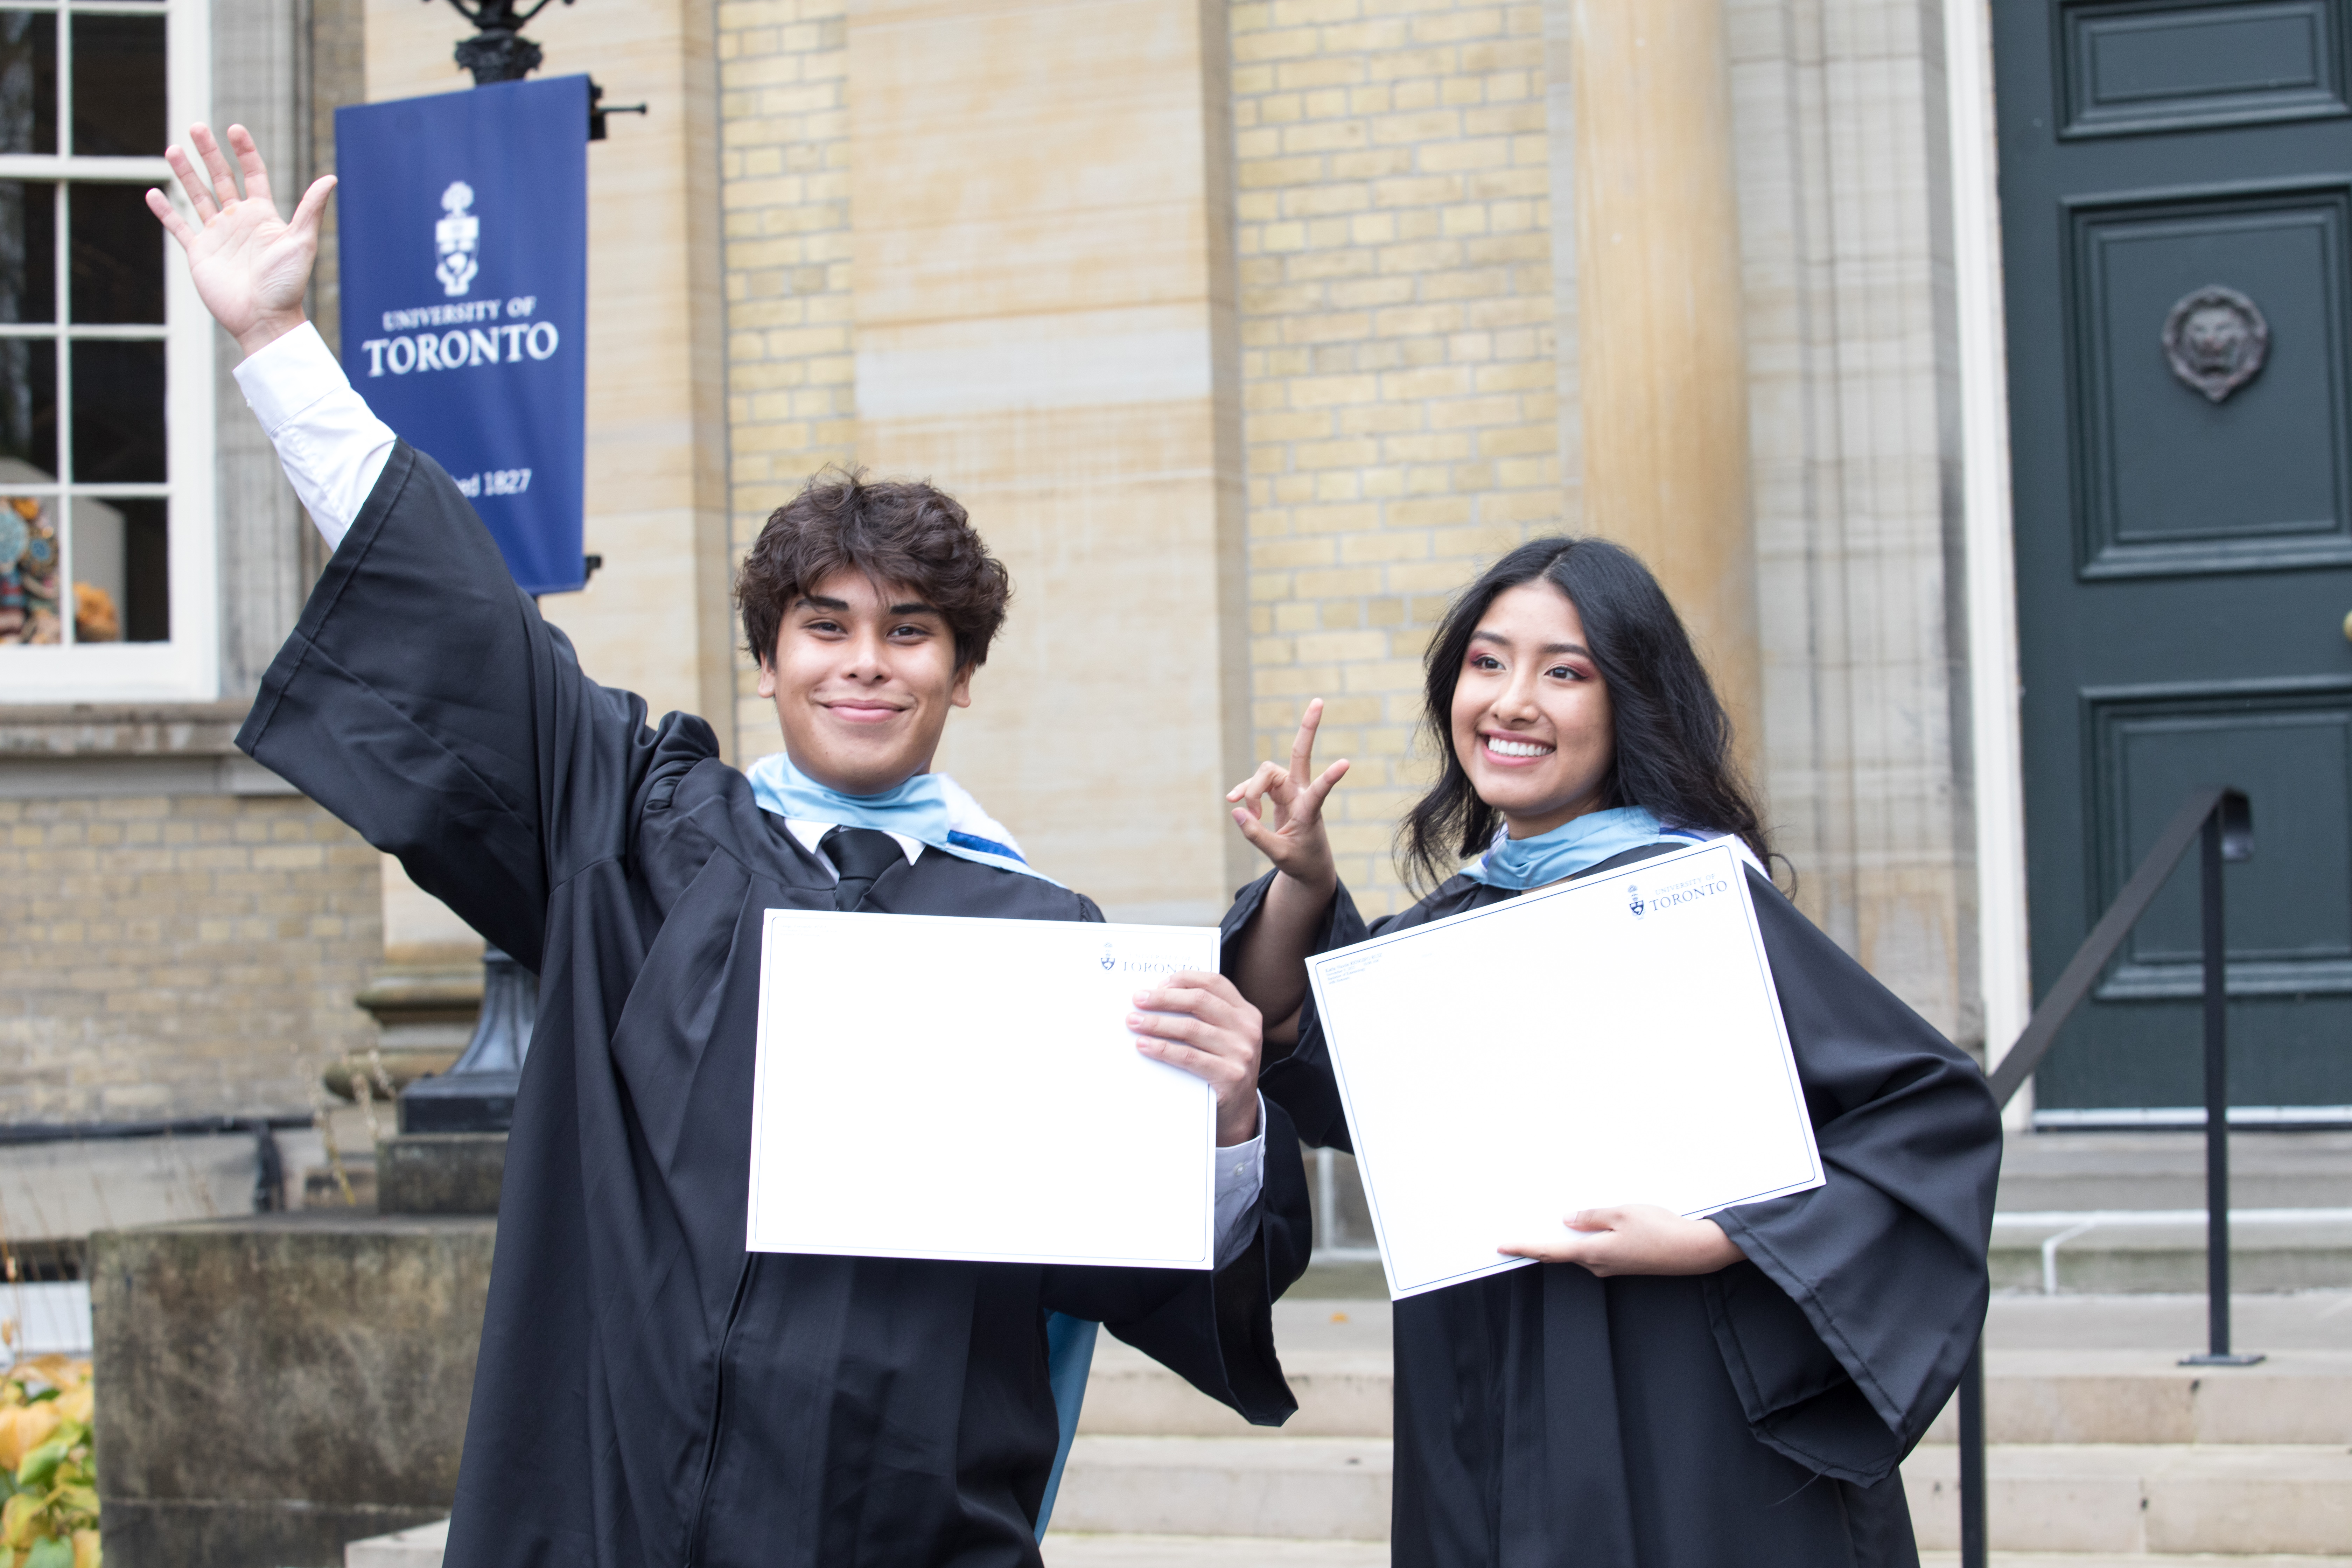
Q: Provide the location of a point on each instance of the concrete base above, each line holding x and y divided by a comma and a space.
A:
277, 1385
440, 1172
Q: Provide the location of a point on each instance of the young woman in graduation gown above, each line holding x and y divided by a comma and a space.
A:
647, 1393
1657, 1391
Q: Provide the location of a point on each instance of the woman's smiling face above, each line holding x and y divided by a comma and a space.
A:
1531, 718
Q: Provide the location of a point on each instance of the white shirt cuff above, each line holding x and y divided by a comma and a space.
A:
330, 444
1241, 1176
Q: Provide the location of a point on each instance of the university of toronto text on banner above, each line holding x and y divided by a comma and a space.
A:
464, 225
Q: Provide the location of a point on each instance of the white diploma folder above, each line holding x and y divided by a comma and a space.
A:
1615, 1039
937, 1087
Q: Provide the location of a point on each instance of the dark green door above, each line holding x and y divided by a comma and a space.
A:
2176, 194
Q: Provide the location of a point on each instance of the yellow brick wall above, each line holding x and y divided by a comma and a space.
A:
1398, 367
1398, 370
178, 955
784, 203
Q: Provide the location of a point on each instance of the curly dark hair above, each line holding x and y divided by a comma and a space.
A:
1673, 740
907, 535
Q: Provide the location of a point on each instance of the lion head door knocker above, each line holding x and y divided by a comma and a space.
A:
2216, 340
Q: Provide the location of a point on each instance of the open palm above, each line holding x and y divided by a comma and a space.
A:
250, 267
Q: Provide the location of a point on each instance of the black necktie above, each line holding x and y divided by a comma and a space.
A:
861, 854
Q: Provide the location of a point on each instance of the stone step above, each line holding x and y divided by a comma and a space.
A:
2030, 1397
2107, 1250
1308, 1489
1072, 1551
1236, 1552
2141, 1498
2147, 1396
2165, 1169
2164, 1250
1339, 1393
1173, 1502
2134, 1560
2049, 1183
2131, 1499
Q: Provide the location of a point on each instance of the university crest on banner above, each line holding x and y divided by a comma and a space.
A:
464, 226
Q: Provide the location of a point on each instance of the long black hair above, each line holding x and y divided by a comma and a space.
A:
1672, 738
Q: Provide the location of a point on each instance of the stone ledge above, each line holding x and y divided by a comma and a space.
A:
73, 730
40, 776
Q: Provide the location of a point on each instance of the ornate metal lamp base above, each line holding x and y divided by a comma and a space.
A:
498, 55
477, 1094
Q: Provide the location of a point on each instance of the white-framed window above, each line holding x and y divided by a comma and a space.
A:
109, 563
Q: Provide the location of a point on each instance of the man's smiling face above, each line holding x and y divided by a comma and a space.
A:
863, 675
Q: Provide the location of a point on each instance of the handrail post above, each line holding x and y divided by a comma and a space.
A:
2222, 819
2217, 1103
1973, 1546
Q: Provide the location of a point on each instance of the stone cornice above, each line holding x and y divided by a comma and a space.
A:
94, 731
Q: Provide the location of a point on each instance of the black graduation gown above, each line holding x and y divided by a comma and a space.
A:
1751, 1418
647, 1393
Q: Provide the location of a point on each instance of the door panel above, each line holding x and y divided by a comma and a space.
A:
2176, 216
2172, 481
2289, 913
2143, 67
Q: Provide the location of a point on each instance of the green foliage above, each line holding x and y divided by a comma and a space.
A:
48, 1477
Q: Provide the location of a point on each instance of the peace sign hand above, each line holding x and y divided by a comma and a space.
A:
250, 267
1293, 837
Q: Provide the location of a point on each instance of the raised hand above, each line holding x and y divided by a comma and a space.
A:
1293, 837
250, 267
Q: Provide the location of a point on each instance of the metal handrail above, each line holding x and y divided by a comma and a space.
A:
2219, 818
268, 1167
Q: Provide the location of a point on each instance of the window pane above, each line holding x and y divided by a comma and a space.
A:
28, 252
28, 570
28, 81
120, 570
118, 413
29, 409
116, 253
117, 86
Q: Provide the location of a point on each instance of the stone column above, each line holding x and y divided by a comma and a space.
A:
1045, 329
1664, 361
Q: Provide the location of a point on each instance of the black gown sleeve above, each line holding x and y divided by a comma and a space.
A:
1301, 1080
422, 700
1848, 1328
1215, 1331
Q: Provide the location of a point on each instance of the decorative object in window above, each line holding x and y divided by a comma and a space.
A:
29, 572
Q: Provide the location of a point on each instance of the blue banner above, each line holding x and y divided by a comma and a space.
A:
463, 242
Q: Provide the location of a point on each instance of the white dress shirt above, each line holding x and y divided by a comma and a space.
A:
333, 449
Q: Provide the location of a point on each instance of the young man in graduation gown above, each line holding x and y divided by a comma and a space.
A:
647, 1392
